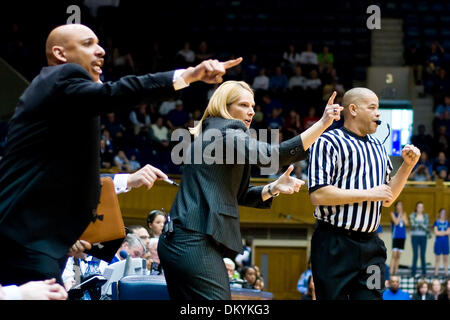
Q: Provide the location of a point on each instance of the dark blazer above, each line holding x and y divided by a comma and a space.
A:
417, 296
209, 194
48, 192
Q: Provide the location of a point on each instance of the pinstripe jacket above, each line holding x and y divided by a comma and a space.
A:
209, 194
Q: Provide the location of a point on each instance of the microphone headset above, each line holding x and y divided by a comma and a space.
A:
378, 122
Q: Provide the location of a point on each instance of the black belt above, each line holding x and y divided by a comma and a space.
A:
356, 235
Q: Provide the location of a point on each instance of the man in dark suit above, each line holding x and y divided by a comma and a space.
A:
45, 203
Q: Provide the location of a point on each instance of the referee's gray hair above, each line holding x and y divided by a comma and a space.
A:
133, 241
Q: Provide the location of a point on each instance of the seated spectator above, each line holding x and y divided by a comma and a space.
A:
121, 161
203, 52
436, 288
394, 292
426, 162
134, 164
159, 134
292, 124
258, 118
422, 291
259, 284
314, 82
248, 274
290, 58
108, 140
115, 128
441, 139
434, 57
422, 140
167, 106
445, 295
251, 69
261, 82
325, 60
309, 57
123, 63
443, 107
231, 269
442, 85
275, 121
440, 164
279, 81
140, 119
34, 290
143, 234
131, 246
245, 258
186, 56
88, 266
299, 171
155, 222
297, 81
420, 173
310, 119
329, 88
268, 104
106, 156
178, 118
302, 284
310, 293
415, 59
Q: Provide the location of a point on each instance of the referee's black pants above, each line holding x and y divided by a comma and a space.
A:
346, 264
193, 266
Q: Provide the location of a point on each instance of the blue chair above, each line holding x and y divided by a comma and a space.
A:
142, 287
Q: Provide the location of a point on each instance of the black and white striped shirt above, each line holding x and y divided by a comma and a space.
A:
345, 160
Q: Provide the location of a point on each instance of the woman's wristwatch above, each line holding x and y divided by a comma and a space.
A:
270, 191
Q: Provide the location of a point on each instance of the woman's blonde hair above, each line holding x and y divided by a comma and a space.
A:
224, 96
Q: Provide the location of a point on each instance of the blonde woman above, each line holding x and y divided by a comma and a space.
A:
205, 212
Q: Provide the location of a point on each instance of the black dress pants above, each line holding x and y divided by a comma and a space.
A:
346, 264
193, 266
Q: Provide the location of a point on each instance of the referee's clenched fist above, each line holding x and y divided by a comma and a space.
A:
410, 154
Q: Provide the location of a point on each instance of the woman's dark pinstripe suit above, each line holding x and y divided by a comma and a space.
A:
206, 215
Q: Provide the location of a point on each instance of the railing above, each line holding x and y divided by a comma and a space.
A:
286, 210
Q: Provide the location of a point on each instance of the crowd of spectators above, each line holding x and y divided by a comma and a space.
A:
430, 67
290, 93
289, 96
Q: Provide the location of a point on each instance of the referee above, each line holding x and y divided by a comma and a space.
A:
348, 183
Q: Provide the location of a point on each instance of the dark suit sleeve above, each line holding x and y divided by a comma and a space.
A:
77, 86
252, 198
262, 153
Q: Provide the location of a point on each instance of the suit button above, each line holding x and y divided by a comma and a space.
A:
292, 152
297, 149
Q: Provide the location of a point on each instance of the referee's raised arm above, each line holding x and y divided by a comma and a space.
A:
332, 112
